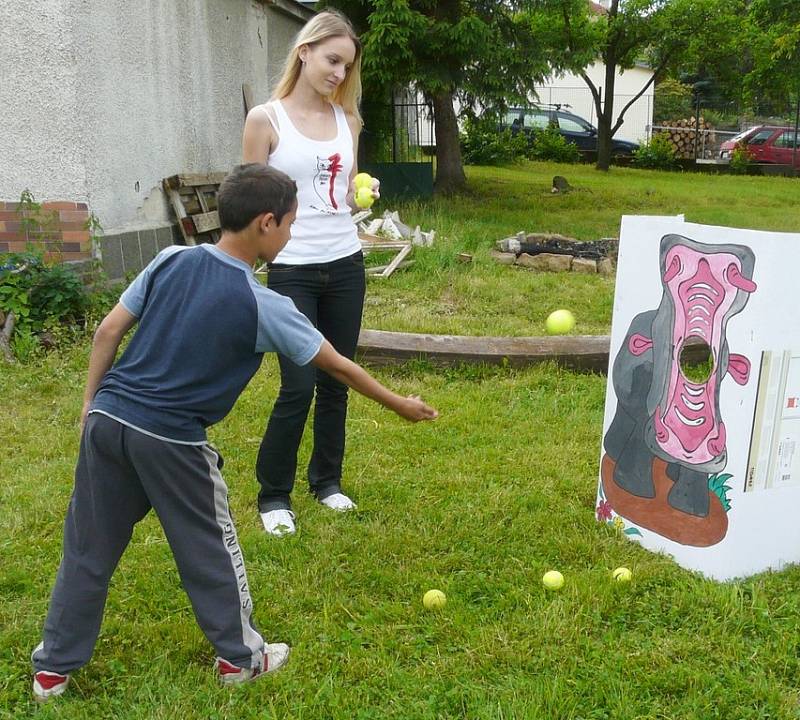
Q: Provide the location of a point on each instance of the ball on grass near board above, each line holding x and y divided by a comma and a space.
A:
434, 600
553, 580
363, 180
560, 322
622, 574
364, 197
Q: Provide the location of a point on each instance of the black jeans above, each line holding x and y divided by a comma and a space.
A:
331, 295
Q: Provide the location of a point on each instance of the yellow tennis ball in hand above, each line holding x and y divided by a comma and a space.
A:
553, 580
364, 197
363, 180
434, 600
560, 322
622, 574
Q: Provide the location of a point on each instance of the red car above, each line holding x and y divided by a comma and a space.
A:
766, 144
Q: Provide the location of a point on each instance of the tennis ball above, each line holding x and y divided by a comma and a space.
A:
363, 180
434, 599
553, 580
622, 574
364, 197
560, 322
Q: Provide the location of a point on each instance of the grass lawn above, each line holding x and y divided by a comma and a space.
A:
440, 295
478, 504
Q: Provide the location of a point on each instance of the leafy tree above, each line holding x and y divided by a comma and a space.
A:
661, 31
673, 101
775, 42
481, 52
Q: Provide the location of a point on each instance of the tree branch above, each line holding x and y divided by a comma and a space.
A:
656, 73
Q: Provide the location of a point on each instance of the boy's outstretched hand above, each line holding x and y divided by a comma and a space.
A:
415, 409
346, 371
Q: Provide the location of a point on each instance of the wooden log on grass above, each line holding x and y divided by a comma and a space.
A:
576, 352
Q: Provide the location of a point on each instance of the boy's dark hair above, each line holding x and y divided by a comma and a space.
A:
251, 190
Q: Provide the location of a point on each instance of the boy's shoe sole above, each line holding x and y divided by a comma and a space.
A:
275, 657
47, 685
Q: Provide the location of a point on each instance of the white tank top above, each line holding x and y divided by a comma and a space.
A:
324, 229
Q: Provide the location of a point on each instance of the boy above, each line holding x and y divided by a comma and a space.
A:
204, 324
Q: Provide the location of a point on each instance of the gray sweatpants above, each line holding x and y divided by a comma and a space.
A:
121, 474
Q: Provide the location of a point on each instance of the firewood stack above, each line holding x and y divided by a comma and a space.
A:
684, 133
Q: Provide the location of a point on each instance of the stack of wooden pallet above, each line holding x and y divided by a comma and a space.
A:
194, 201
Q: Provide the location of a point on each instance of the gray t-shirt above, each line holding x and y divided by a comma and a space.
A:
204, 324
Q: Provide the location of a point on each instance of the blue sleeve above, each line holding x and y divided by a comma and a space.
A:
283, 328
134, 296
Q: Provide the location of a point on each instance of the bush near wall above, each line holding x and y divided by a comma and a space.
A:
57, 229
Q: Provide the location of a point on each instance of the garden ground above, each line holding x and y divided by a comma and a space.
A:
479, 504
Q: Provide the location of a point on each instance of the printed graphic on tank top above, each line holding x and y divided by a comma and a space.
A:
328, 169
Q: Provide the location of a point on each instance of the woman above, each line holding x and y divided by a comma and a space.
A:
310, 131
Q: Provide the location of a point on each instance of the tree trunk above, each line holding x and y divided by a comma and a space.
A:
606, 118
450, 176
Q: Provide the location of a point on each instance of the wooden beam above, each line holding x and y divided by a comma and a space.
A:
396, 261
576, 352
191, 180
579, 352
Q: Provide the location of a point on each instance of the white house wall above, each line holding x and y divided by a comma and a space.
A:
108, 97
38, 89
572, 90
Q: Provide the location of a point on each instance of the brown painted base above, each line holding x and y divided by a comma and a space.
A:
658, 515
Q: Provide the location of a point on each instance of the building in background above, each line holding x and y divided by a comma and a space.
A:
102, 99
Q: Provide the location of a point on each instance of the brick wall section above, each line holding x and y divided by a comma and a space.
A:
64, 238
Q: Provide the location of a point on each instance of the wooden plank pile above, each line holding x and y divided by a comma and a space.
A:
685, 133
194, 201
389, 233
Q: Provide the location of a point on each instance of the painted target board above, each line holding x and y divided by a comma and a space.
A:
701, 459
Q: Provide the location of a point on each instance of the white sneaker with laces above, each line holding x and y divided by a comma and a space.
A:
275, 657
339, 501
278, 522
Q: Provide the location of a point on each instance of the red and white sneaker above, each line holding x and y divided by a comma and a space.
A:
47, 685
275, 657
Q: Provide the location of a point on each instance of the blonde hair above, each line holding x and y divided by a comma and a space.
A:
323, 26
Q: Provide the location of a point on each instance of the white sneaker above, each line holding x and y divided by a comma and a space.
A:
275, 657
278, 522
339, 501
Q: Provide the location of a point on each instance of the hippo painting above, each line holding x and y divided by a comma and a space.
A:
667, 437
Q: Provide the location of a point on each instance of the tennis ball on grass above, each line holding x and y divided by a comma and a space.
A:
560, 322
434, 600
553, 580
622, 574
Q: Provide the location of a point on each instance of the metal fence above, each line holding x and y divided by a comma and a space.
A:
406, 133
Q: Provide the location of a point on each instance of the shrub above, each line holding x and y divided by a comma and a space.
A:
482, 143
39, 293
550, 144
741, 159
657, 154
